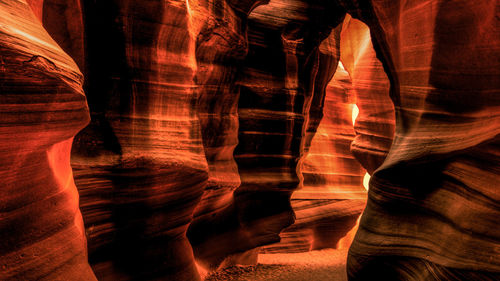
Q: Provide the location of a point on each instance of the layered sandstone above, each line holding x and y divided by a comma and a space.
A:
140, 165
207, 115
433, 204
221, 47
375, 122
331, 196
42, 107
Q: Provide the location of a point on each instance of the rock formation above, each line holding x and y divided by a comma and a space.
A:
207, 115
42, 107
370, 89
274, 104
331, 196
221, 47
329, 168
433, 204
140, 165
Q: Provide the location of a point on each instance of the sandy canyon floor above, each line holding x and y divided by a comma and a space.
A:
328, 264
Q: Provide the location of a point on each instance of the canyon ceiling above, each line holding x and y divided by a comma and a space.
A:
145, 139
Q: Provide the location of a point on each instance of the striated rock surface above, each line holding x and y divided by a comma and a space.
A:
433, 205
281, 104
206, 115
140, 165
332, 195
221, 47
63, 20
375, 122
319, 224
330, 170
275, 95
42, 107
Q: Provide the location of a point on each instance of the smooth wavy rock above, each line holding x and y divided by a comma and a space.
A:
140, 165
271, 110
433, 206
283, 93
332, 178
42, 107
63, 20
319, 224
375, 123
175, 86
332, 195
221, 47
329, 169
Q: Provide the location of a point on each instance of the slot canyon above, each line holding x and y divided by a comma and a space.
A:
298, 140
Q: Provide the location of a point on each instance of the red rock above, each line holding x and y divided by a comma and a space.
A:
140, 165
332, 178
370, 88
42, 108
207, 115
431, 204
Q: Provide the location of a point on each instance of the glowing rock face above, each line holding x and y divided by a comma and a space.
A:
330, 170
366, 181
427, 201
177, 88
331, 196
283, 89
375, 121
355, 113
42, 108
220, 50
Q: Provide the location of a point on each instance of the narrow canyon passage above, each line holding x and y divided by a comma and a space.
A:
249, 140
332, 194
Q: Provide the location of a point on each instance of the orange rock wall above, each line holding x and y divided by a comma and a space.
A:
207, 115
42, 107
432, 205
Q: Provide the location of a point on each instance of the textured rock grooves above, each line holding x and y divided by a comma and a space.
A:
370, 89
282, 92
220, 50
140, 165
273, 105
42, 106
332, 195
433, 205
206, 115
329, 169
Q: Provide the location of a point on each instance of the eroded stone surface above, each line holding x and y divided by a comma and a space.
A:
435, 198
42, 107
140, 165
174, 87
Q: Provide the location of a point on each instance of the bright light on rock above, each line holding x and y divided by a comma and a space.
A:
366, 181
355, 112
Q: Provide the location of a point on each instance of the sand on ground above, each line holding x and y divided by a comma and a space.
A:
321, 265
